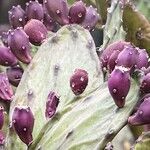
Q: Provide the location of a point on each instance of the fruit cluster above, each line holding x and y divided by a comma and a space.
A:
123, 60
31, 27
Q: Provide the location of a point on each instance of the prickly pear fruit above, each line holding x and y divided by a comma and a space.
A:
119, 45
23, 122
2, 138
142, 116
145, 84
36, 31
4, 38
51, 104
120, 76
79, 81
58, 9
17, 17
19, 45
6, 91
14, 75
142, 59
77, 12
1, 117
49, 22
112, 60
34, 10
7, 58
91, 18
127, 57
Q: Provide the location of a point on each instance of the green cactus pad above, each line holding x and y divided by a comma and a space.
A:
82, 122
137, 27
143, 142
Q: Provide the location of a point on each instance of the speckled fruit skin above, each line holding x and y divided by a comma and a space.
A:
142, 115
17, 17
7, 58
119, 85
79, 81
14, 75
119, 45
34, 10
51, 104
58, 9
36, 31
23, 122
18, 42
77, 12
145, 84
6, 91
91, 18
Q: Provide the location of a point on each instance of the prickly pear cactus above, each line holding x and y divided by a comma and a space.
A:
86, 122
137, 27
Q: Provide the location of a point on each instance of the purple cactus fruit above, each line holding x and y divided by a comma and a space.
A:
77, 12
142, 59
49, 22
1, 117
91, 18
19, 45
120, 76
127, 57
14, 75
4, 38
17, 17
2, 138
6, 91
23, 122
145, 84
119, 45
51, 104
79, 81
34, 10
142, 115
7, 58
58, 9
112, 60
36, 31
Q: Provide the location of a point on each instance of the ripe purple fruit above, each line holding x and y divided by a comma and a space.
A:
36, 31
142, 116
79, 81
77, 12
17, 17
120, 76
112, 60
1, 117
49, 22
19, 45
23, 122
119, 45
14, 75
91, 18
51, 104
34, 10
145, 84
6, 91
58, 9
142, 59
7, 58
127, 57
